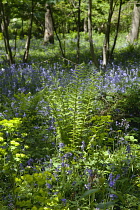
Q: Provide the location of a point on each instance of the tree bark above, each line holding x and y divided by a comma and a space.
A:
78, 31
60, 44
134, 32
4, 27
85, 25
48, 34
107, 36
117, 30
27, 46
90, 33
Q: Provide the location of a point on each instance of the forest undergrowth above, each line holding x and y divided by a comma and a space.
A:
69, 134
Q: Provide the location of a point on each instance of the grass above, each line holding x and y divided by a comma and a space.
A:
70, 135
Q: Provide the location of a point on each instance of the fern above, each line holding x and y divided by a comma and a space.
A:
71, 107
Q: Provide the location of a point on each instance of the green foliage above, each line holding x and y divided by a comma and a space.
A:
27, 190
71, 146
1, 36
12, 152
71, 108
99, 131
129, 108
33, 193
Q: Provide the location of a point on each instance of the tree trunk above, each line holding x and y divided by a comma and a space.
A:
4, 27
78, 31
107, 36
60, 44
117, 30
22, 31
85, 25
90, 33
134, 33
48, 34
27, 46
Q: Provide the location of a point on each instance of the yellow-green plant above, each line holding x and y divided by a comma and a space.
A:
1, 36
12, 153
99, 131
34, 191
26, 190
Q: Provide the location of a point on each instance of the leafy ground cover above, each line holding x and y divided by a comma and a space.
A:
69, 134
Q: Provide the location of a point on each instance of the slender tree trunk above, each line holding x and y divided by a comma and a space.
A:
48, 34
60, 44
4, 27
85, 25
15, 43
64, 37
117, 30
107, 36
134, 33
78, 31
90, 33
27, 46
22, 31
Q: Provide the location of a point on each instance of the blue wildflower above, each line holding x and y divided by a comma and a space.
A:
49, 185
83, 146
112, 179
128, 148
61, 145
64, 201
113, 196
30, 162
88, 186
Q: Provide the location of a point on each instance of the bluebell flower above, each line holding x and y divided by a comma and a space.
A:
49, 186
61, 145
117, 110
51, 163
113, 196
83, 146
69, 172
112, 179
64, 201
88, 186
111, 183
55, 193
135, 129
30, 162
67, 155
117, 177
90, 172
74, 183
128, 148
63, 164
21, 166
